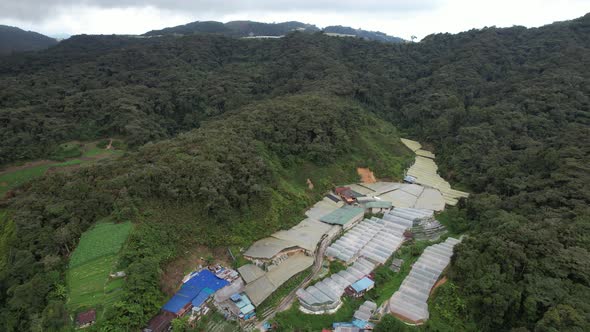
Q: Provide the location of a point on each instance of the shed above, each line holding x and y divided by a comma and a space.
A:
204, 282
268, 247
346, 216
359, 288
250, 272
86, 318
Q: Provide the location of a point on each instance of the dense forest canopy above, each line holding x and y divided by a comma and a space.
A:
507, 111
250, 28
15, 40
235, 28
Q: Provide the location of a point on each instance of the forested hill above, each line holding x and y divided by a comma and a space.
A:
14, 40
250, 28
506, 110
364, 34
235, 28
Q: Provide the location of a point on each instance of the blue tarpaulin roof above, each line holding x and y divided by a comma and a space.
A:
362, 284
202, 297
361, 324
205, 279
236, 297
342, 324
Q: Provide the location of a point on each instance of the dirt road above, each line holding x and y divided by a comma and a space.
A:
286, 302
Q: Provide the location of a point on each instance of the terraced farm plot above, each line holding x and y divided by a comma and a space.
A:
92, 262
11, 179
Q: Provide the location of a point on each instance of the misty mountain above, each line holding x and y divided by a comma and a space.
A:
235, 28
14, 40
250, 28
365, 34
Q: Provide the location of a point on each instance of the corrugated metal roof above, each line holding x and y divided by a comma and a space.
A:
378, 205
362, 284
343, 215
250, 272
268, 247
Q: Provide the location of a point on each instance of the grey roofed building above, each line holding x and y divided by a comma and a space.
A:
250, 272
226, 292
307, 234
261, 288
268, 247
290, 267
344, 216
378, 204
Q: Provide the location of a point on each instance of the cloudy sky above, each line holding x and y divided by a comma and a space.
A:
395, 17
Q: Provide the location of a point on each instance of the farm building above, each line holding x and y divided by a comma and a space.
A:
302, 238
410, 302
262, 287
347, 194
346, 216
86, 318
360, 287
345, 327
323, 207
271, 250
325, 296
244, 306
377, 206
194, 292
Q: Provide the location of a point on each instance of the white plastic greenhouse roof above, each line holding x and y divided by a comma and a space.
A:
329, 290
410, 301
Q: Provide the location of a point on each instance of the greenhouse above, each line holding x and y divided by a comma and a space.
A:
324, 296
409, 303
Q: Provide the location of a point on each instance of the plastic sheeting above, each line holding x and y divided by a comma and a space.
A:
325, 295
410, 301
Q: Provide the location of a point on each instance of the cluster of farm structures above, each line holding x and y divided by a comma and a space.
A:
336, 228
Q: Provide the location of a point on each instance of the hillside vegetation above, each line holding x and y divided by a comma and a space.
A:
229, 124
15, 40
244, 172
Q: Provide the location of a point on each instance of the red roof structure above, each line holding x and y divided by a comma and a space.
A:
346, 194
86, 318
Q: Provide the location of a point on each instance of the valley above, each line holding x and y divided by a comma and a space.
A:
280, 162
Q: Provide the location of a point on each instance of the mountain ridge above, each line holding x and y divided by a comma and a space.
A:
15, 40
245, 28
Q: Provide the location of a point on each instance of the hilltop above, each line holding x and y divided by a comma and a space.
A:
252, 29
15, 40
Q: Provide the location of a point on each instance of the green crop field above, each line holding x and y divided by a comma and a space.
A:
93, 260
104, 239
88, 153
18, 177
